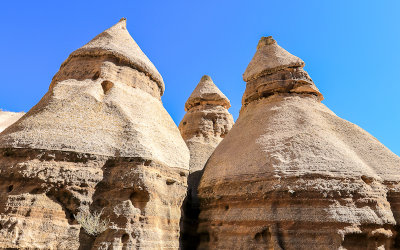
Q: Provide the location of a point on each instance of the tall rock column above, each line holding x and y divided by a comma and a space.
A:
204, 126
292, 175
100, 140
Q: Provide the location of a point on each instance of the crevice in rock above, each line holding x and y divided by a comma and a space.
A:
124, 238
190, 210
265, 238
355, 241
96, 76
366, 179
68, 203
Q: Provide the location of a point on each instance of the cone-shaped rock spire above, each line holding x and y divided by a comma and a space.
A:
99, 140
206, 92
274, 70
112, 47
89, 77
270, 58
206, 122
203, 127
116, 41
292, 175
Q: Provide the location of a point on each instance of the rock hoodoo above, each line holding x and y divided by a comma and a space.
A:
292, 175
99, 140
8, 118
205, 124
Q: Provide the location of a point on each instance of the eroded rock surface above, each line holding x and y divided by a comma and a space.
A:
292, 175
100, 139
204, 126
8, 118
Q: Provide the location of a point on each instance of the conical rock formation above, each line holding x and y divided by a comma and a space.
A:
292, 175
8, 118
204, 126
99, 140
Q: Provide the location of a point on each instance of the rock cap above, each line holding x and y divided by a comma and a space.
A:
117, 42
206, 92
269, 58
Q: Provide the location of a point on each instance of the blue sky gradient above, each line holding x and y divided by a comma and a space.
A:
351, 49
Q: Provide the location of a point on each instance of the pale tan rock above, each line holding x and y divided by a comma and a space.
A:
206, 92
270, 58
292, 175
100, 139
203, 127
117, 43
8, 118
110, 115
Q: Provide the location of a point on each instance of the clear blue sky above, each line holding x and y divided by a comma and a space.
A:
351, 49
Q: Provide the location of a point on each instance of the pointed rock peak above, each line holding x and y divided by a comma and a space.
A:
269, 58
207, 92
273, 70
265, 40
116, 41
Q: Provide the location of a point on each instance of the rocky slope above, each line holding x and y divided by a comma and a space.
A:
100, 140
292, 175
204, 126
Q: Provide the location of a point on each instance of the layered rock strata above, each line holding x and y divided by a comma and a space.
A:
100, 140
204, 126
292, 175
8, 118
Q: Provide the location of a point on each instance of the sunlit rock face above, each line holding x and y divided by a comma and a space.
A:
100, 139
8, 118
204, 126
292, 175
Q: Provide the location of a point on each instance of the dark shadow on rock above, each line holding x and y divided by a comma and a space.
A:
85, 240
189, 239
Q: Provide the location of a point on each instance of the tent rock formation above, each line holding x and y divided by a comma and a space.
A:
99, 140
292, 175
204, 126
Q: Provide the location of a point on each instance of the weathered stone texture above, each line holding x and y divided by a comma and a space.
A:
100, 139
292, 175
204, 126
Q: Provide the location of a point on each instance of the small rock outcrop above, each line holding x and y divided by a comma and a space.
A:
292, 175
8, 118
204, 126
98, 142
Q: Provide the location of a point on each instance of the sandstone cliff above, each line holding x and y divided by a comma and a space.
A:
205, 124
8, 118
292, 175
99, 140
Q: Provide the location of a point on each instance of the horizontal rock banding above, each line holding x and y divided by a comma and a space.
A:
291, 174
100, 140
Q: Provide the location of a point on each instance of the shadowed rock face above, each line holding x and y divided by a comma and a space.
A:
204, 126
292, 175
100, 139
8, 118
